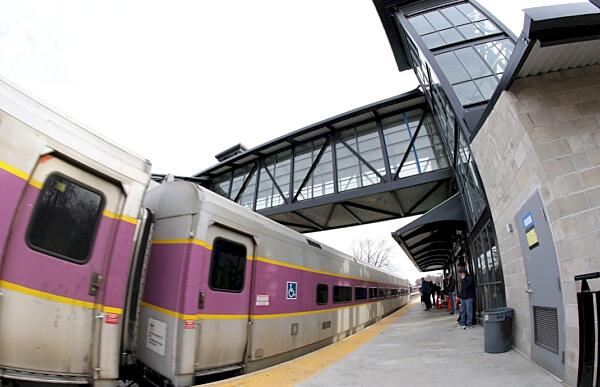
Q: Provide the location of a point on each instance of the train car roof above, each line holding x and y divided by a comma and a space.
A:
191, 197
74, 136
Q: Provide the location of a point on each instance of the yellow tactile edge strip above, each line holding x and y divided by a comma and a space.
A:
302, 368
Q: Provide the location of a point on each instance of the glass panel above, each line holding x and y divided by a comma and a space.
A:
472, 62
65, 219
470, 31
220, 184
372, 292
421, 25
505, 46
471, 12
360, 294
322, 180
369, 148
454, 70
239, 176
322, 294
342, 294
266, 190
397, 138
468, 93
410, 166
228, 266
281, 171
247, 197
455, 16
433, 40
487, 86
451, 35
487, 27
491, 54
437, 20
347, 162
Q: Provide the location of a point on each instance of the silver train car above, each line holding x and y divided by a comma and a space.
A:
100, 276
71, 218
227, 288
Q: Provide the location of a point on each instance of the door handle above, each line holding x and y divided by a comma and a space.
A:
201, 299
95, 284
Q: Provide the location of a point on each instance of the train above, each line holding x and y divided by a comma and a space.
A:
103, 271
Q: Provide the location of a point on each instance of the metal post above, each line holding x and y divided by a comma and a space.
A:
587, 334
413, 143
386, 157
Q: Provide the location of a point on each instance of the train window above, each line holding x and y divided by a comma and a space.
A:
228, 266
360, 294
372, 292
322, 294
381, 293
65, 219
342, 294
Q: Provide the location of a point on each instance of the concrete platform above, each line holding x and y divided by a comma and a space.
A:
412, 348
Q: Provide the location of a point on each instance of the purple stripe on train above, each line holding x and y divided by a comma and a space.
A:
32, 269
11, 187
167, 269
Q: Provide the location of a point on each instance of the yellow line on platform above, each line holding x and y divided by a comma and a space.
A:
298, 370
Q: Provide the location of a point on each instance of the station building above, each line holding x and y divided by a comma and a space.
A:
498, 150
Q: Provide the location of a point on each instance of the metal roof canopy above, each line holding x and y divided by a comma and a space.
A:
554, 38
428, 240
392, 197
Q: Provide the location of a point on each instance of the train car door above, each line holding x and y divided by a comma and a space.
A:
224, 299
53, 270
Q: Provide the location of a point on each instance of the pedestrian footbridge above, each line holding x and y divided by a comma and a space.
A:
379, 162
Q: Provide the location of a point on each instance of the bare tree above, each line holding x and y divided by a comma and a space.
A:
373, 252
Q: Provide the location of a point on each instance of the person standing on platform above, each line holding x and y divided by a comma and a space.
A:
466, 295
426, 293
450, 285
435, 291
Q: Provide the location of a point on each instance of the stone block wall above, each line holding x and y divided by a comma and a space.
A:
544, 134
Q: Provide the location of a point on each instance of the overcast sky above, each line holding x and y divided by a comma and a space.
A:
179, 81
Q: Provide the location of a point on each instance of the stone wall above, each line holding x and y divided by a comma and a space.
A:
544, 134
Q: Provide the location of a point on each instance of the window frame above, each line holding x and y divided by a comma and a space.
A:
95, 229
345, 301
375, 291
212, 261
366, 293
317, 294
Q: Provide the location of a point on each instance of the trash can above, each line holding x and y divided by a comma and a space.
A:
497, 327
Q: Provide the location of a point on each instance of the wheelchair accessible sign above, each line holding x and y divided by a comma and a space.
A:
291, 292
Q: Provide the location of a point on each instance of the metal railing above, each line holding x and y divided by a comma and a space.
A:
588, 331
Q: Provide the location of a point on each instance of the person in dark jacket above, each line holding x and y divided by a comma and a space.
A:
426, 293
466, 294
450, 288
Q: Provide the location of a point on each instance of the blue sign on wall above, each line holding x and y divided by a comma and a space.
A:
528, 221
291, 292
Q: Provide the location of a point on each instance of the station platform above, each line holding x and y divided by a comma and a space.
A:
410, 347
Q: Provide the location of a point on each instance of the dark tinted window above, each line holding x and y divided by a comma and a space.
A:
381, 293
228, 266
322, 294
342, 294
372, 292
65, 219
360, 294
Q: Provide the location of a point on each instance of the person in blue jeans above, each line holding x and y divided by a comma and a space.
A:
466, 294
